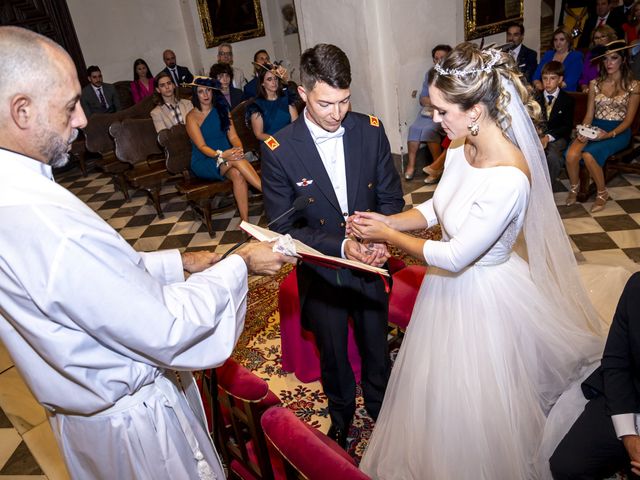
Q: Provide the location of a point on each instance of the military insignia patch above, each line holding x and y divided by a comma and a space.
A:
374, 121
272, 143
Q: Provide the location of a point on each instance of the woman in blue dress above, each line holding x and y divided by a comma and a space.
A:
611, 107
561, 52
273, 107
217, 152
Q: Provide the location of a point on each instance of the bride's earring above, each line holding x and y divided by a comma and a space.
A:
473, 127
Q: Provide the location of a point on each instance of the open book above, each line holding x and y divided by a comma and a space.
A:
310, 254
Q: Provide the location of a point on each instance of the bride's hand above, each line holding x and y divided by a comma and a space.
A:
370, 215
366, 228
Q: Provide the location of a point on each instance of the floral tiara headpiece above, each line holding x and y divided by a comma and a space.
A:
463, 72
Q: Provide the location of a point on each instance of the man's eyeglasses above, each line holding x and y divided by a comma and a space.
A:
225, 54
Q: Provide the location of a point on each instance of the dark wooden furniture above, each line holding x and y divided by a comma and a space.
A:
136, 144
123, 89
199, 192
249, 141
99, 141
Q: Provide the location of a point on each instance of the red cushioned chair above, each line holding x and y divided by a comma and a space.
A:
299, 352
242, 399
305, 453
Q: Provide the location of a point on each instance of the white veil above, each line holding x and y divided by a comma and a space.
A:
552, 263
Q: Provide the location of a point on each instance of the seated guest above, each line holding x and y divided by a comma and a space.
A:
142, 85
180, 75
526, 59
612, 106
557, 111
605, 14
424, 129
225, 55
223, 73
217, 151
170, 110
601, 36
605, 439
259, 58
98, 97
273, 108
632, 25
561, 52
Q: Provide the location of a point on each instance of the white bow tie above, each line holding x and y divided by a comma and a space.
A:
324, 136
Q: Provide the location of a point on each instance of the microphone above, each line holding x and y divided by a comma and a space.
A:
299, 204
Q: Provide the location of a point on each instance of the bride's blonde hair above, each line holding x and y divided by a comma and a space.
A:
468, 76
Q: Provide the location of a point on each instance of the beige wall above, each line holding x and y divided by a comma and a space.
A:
114, 33
388, 42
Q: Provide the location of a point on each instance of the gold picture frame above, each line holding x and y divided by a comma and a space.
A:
488, 17
228, 21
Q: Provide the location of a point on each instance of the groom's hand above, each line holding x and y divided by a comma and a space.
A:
632, 445
354, 250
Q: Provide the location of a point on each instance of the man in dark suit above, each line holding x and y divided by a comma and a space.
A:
98, 97
605, 438
557, 110
625, 8
179, 74
605, 15
342, 161
526, 59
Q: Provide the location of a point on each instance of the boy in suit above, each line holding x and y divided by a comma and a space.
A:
557, 111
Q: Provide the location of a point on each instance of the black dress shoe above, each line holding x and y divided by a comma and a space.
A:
339, 435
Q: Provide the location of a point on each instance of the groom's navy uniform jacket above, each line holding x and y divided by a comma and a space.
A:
292, 167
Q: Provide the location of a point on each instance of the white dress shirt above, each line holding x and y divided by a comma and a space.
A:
331, 150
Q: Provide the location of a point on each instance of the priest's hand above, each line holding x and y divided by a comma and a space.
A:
194, 262
261, 259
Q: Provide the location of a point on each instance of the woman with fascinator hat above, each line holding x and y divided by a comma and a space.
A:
494, 337
611, 107
217, 151
274, 105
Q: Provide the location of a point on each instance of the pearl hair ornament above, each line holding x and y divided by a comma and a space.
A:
462, 72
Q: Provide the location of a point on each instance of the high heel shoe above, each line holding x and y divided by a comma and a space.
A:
573, 195
409, 175
601, 201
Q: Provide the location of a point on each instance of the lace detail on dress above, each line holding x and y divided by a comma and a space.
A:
612, 108
508, 238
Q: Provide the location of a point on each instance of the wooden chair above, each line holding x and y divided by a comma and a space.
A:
249, 141
136, 144
304, 452
123, 90
199, 192
99, 141
242, 398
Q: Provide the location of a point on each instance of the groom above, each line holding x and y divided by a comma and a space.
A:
342, 161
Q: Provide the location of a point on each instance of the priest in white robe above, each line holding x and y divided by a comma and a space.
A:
94, 327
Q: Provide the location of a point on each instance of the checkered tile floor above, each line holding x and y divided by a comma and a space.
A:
609, 236
615, 231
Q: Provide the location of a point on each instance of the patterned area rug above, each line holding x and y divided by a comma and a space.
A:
259, 350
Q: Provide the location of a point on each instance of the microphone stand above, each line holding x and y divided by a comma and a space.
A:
299, 204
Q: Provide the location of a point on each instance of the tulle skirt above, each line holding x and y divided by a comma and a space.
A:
484, 359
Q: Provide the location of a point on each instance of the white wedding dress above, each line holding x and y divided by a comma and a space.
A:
486, 355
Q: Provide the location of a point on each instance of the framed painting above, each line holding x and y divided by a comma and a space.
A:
488, 17
228, 21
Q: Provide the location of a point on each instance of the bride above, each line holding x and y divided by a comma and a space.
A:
494, 339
